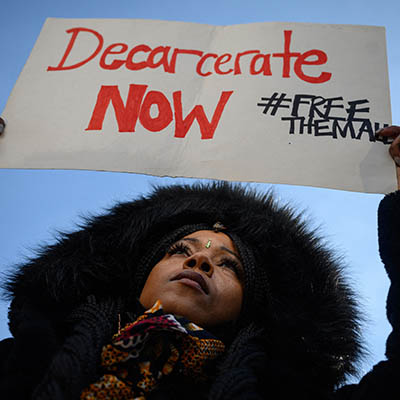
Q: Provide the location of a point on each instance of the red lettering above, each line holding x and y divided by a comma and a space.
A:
75, 32
207, 129
201, 62
126, 115
237, 59
162, 61
286, 55
321, 59
265, 66
157, 57
164, 116
223, 59
172, 63
138, 65
109, 50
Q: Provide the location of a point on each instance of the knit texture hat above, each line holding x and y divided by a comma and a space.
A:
255, 295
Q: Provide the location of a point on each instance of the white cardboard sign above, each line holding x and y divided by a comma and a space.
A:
269, 102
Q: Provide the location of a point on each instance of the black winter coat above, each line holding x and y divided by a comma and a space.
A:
25, 357
382, 381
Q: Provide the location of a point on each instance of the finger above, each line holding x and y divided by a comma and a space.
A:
389, 131
394, 150
2, 125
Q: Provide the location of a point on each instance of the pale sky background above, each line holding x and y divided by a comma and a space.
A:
34, 205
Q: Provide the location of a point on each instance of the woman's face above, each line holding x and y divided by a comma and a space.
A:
198, 278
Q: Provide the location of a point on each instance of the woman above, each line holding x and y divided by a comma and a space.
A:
208, 291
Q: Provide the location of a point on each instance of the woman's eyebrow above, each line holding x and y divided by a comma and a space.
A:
231, 252
192, 240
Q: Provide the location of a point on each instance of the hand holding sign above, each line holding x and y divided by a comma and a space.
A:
393, 132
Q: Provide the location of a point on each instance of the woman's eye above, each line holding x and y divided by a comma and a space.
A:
231, 264
179, 248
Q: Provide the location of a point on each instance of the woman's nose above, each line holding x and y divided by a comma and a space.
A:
201, 262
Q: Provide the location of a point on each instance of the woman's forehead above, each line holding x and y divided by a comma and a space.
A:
209, 239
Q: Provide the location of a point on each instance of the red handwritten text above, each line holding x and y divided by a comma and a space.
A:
138, 105
141, 56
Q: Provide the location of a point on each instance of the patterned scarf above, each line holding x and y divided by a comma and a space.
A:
146, 351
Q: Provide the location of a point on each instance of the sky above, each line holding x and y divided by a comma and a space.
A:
36, 204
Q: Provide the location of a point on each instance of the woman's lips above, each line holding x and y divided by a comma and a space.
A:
192, 278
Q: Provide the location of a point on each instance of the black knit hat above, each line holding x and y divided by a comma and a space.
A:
295, 290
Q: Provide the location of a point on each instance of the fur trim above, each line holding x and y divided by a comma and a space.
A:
311, 317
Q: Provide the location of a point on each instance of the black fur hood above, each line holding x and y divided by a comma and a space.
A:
310, 319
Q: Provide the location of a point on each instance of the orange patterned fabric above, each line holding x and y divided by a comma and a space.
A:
150, 349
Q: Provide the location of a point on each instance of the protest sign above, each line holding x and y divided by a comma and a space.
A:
270, 102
